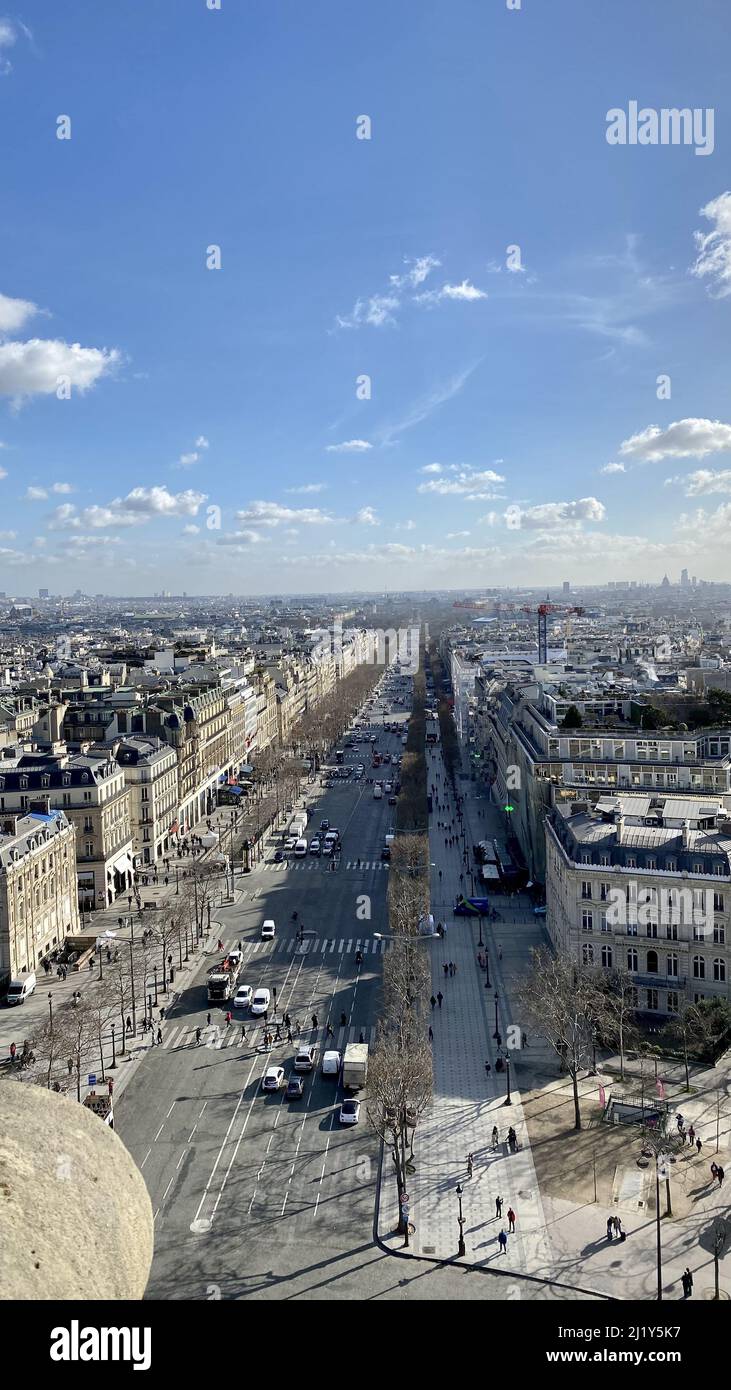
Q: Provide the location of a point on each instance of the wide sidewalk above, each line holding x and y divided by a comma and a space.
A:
555, 1238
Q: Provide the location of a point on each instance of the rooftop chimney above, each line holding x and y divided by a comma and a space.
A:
686, 834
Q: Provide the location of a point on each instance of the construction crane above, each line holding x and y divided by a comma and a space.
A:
542, 612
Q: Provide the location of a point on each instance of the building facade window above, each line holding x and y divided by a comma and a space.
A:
699, 968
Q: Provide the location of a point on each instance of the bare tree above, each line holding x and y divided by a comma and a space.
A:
557, 998
615, 1011
686, 1032
399, 1091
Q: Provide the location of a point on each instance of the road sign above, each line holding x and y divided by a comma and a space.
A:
405, 1199
91, 1079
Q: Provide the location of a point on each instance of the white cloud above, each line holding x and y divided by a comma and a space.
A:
456, 535
9, 33
307, 487
471, 483
241, 541
489, 519
367, 517
714, 248
191, 529
549, 516
34, 368
466, 292
426, 405
273, 514
201, 442
431, 468
682, 439
3, 472
610, 468
8, 535
707, 526
39, 494
380, 310
705, 480
405, 525
138, 507
349, 446
187, 460
15, 312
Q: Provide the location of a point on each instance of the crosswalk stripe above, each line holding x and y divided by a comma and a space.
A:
340, 947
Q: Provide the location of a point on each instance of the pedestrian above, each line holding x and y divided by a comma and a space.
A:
687, 1283
159, 1037
499, 951
278, 1035
446, 970
720, 1175
679, 1120
698, 1145
314, 1020
511, 1220
433, 1001
128, 1024
243, 1033
495, 1136
440, 997
610, 1227
691, 1135
13, 1051
714, 1171
197, 1037
70, 1065
498, 1207
431, 1033
503, 1243
208, 1020
162, 1015
618, 1228
524, 1040
488, 1070
454, 969
228, 1019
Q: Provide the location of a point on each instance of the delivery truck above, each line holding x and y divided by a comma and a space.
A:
355, 1066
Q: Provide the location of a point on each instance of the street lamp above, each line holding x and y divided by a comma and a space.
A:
508, 1100
496, 1034
50, 1010
461, 1248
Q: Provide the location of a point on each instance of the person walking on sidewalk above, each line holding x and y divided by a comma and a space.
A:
228, 1018
691, 1136
470, 1165
433, 1002
687, 1281
610, 1227
431, 1033
498, 1207
440, 997
446, 969
720, 1175
698, 1145
159, 1037
503, 1243
495, 1136
511, 1220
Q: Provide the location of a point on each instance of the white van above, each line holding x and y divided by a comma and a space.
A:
331, 1064
20, 990
377, 791
300, 849
268, 929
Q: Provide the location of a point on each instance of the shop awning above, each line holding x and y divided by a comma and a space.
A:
123, 865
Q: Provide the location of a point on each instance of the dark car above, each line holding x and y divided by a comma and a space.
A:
278, 856
393, 800
471, 907
386, 852
295, 1088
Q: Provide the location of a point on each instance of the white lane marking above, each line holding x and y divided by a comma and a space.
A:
167, 1189
180, 1160
159, 1132
147, 1155
170, 1111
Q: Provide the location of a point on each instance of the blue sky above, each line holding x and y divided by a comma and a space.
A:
169, 425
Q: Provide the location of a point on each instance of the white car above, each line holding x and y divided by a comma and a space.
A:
268, 930
260, 1002
290, 843
243, 997
349, 1112
315, 847
273, 1079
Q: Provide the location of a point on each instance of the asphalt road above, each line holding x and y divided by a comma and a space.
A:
253, 1195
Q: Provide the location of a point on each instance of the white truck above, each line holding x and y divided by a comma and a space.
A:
377, 791
298, 825
355, 1066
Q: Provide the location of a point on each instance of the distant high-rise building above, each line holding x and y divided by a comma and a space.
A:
567, 586
694, 581
43, 593
684, 581
665, 582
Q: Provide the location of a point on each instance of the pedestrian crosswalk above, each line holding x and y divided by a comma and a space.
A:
322, 945
217, 1035
319, 866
